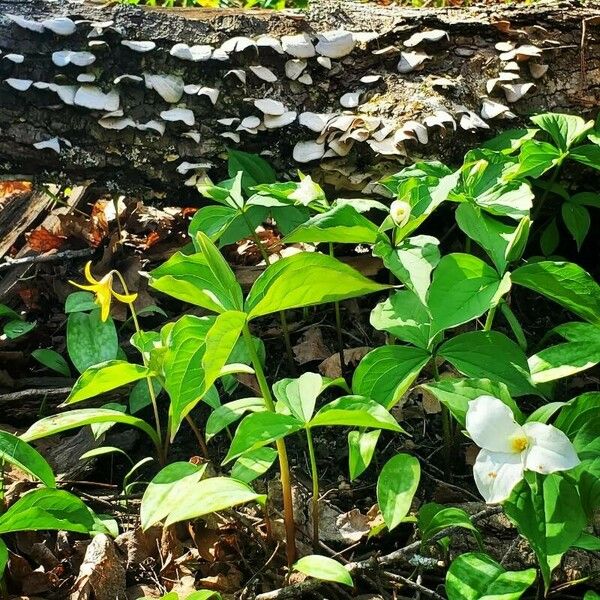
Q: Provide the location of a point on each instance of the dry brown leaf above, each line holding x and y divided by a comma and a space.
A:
471, 454
138, 545
101, 576
311, 347
42, 240
331, 367
8, 188
221, 582
431, 405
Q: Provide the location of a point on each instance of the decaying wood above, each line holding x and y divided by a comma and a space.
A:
17, 216
11, 280
384, 128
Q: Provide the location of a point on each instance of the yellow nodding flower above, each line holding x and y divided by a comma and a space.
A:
103, 290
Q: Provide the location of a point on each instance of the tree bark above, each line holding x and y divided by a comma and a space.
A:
566, 33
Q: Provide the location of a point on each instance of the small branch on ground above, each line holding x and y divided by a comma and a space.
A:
374, 563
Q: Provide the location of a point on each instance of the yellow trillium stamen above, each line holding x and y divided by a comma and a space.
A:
103, 290
519, 443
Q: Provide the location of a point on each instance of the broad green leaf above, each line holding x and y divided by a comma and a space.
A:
184, 375
3, 557
81, 417
212, 221
103, 451
591, 595
15, 329
219, 342
550, 238
212, 495
588, 155
53, 360
6, 312
587, 541
15, 451
104, 377
456, 394
491, 355
434, 518
496, 237
577, 219
324, 568
565, 130
255, 168
139, 397
550, 517
396, 486
355, 411
361, 448
405, 317
476, 576
259, 429
386, 373
428, 171
514, 324
303, 280
576, 331
342, 224
229, 413
578, 412
220, 270
204, 595
565, 283
411, 261
563, 360
191, 279
226, 225
535, 158
463, 288
288, 218
545, 412
298, 396
586, 199
80, 302
510, 140
253, 464
167, 489
50, 509
89, 340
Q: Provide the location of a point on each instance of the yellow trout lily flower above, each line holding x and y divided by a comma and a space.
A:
103, 290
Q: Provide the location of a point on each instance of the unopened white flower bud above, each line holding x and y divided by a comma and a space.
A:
400, 212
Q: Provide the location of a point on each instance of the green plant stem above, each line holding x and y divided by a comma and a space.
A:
315, 489
199, 437
284, 468
446, 425
540, 204
284, 325
162, 452
489, 320
338, 326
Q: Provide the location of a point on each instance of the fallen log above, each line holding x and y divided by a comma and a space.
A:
149, 98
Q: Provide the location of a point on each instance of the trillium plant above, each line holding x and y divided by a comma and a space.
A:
447, 313
509, 449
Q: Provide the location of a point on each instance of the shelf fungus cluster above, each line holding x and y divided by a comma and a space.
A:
246, 86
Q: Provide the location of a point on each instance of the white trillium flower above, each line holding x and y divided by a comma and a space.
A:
400, 212
509, 449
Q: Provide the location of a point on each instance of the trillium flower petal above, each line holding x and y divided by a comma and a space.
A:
491, 424
549, 450
496, 474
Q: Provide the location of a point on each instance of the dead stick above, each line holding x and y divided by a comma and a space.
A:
372, 563
45, 258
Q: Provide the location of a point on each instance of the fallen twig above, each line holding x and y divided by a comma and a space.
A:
374, 562
35, 393
45, 258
